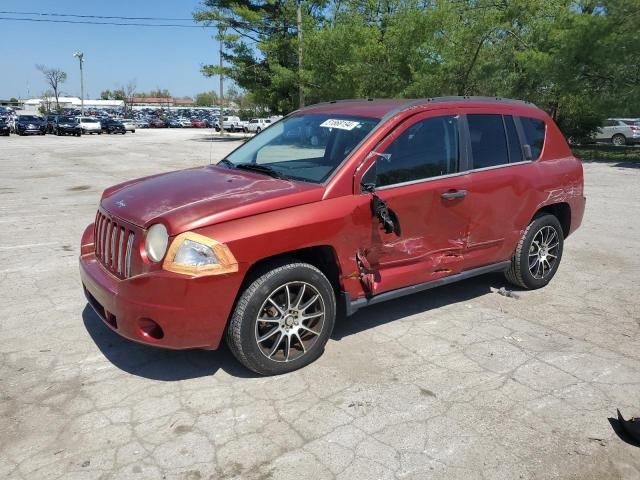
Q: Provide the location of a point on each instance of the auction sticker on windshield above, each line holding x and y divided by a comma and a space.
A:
341, 124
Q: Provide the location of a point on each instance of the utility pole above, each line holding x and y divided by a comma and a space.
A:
220, 34
80, 57
299, 18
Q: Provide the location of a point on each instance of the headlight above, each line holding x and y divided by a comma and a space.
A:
194, 254
156, 242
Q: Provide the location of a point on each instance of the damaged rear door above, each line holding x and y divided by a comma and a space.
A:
420, 176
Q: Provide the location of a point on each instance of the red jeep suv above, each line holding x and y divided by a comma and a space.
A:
335, 207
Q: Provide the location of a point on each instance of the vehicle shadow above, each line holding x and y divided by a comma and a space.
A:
159, 363
173, 365
382, 313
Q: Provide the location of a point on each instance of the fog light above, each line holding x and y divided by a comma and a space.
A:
150, 329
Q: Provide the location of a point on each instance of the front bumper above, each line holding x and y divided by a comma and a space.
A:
27, 130
190, 312
69, 130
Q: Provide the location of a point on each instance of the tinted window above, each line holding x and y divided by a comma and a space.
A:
488, 141
428, 148
534, 130
515, 150
610, 123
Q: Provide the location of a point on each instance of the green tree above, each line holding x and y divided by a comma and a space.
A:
206, 99
578, 59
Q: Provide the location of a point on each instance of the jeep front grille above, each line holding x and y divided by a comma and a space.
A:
113, 245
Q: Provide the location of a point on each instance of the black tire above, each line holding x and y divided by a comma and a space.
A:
619, 140
241, 330
519, 273
258, 130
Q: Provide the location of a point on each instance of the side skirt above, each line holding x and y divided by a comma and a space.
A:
352, 306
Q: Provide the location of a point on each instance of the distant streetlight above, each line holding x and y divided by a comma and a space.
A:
80, 57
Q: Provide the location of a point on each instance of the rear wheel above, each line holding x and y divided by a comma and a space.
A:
258, 130
282, 320
619, 140
538, 254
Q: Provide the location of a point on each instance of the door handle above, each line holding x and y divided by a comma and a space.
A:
451, 194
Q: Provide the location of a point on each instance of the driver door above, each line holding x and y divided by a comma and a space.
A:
420, 174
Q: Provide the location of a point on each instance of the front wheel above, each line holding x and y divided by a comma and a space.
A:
538, 254
283, 320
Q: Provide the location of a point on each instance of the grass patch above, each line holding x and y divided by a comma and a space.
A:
607, 153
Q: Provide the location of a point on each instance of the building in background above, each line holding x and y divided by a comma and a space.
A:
146, 102
33, 104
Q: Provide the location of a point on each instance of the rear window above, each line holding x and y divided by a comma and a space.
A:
534, 131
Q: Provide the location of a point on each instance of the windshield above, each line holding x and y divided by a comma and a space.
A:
67, 120
28, 118
88, 120
305, 147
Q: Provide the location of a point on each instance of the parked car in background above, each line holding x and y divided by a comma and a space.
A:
142, 123
51, 122
5, 129
619, 131
173, 123
157, 123
90, 125
67, 126
30, 124
232, 124
129, 124
256, 125
394, 197
185, 122
197, 123
109, 125
212, 122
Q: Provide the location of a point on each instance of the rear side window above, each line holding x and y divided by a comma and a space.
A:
534, 131
428, 148
488, 140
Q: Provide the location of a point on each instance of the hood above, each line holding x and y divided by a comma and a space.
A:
189, 199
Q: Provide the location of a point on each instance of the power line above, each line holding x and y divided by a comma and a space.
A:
87, 22
97, 16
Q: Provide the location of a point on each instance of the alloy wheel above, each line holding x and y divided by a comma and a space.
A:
290, 321
543, 252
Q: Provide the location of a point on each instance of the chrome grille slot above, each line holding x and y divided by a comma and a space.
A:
113, 245
127, 258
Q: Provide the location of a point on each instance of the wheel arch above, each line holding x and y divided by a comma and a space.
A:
562, 211
323, 257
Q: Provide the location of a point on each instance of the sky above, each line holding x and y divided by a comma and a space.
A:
154, 57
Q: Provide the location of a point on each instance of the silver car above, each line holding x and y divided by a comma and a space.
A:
129, 124
619, 131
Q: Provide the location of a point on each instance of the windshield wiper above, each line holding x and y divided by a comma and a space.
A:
261, 169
